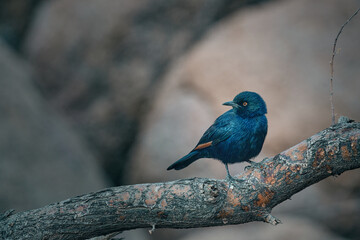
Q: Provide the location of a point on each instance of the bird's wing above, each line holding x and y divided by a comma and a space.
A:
218, 132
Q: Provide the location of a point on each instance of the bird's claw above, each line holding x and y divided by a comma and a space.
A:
231, 179
248, 168
252, 165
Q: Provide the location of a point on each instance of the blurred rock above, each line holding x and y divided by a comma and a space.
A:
15, 16
42, 160
276, 50
179, 118
100, 61
341, 209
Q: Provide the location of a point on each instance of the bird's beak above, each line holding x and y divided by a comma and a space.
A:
231, 103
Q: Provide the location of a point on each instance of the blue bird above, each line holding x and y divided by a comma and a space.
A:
236, 136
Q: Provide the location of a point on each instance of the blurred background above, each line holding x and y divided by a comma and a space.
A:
104, 93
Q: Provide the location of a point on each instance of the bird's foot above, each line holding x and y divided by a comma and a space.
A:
231, 179
252, 165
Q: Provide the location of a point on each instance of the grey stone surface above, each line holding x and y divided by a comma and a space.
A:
42, 159
101, 62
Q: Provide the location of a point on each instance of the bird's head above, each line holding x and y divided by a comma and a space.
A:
248, 104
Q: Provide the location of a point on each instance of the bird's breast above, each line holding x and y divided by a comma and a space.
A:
245, 142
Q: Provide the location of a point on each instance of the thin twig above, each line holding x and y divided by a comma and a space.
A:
332, 67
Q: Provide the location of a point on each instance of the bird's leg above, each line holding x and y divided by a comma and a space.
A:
229, 177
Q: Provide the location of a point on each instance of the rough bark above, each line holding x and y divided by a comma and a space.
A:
196, 202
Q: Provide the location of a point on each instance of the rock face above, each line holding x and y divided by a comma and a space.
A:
100, 61
15, 17
179, 118
42, 160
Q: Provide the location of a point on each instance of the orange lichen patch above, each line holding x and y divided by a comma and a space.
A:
278, 167
320, 153
299, 154
328, 169
139, 187
110, 203
137, 195
180, 190
245, 208
163, 203
234, 199
203, 145
225, 213
331, 152
80, 208
345, 153
120, 200
264, 198
287, 177
269, 176
270, 179
354, 144
150, 202
296, 153
295, 168
125, 196
319, 156
153, 195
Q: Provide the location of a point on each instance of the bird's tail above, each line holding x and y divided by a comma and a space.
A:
184, 161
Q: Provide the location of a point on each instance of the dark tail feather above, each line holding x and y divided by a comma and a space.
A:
184, 161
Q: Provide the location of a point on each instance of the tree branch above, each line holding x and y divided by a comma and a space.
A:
196, 202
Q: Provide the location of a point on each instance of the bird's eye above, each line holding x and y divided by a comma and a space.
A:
244, 104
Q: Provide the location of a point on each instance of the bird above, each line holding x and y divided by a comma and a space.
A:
236, 136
